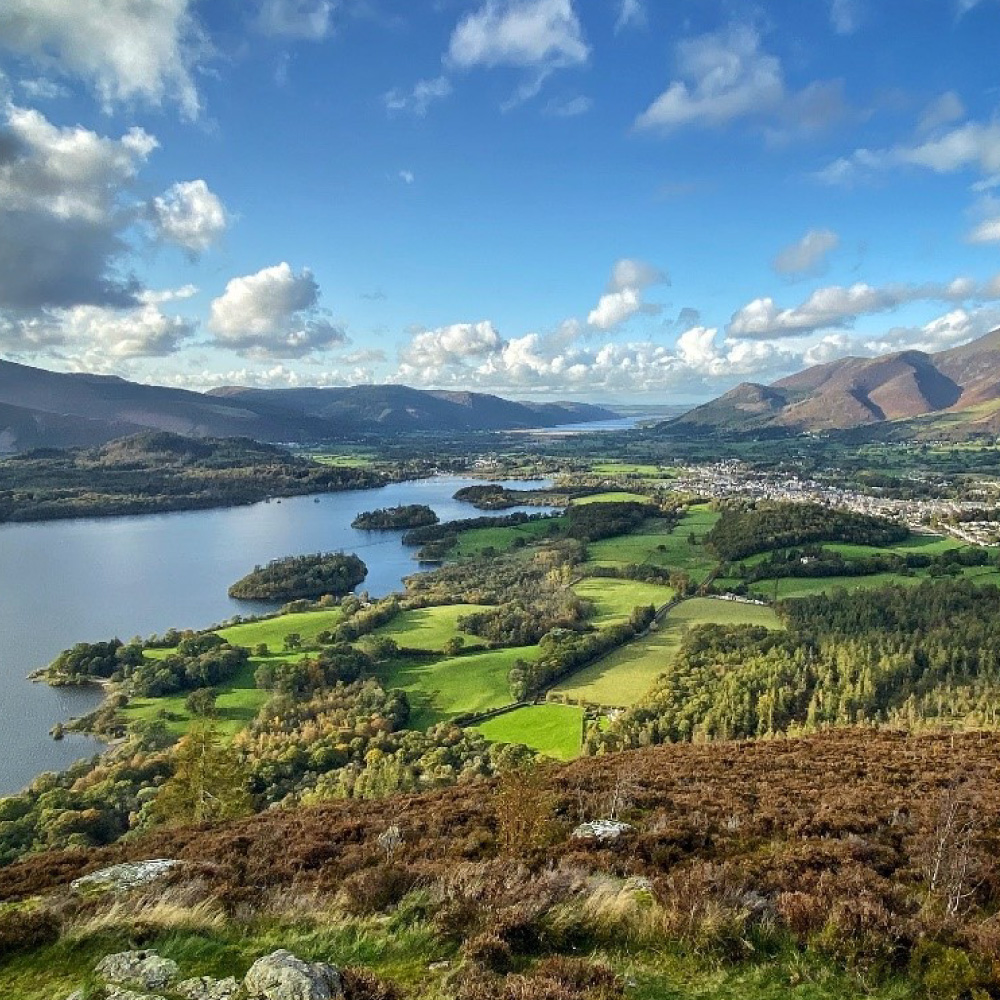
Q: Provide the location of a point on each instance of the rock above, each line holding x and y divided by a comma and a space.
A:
282, 976
205, 988
602, 829
144, 969
123, 877
114, 993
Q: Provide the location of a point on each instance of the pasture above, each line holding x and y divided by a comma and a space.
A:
614, 600
625, 675
428, 629
551, 729
441, 689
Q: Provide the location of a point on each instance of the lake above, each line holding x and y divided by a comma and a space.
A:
93, 579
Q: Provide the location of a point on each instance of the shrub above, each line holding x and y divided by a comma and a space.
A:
23, 928
377, 889
360, 984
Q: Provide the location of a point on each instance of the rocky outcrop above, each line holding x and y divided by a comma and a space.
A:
141, 969
278, 976
282, 976
121, 878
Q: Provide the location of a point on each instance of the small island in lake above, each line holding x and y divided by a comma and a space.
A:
414, 515
298, 577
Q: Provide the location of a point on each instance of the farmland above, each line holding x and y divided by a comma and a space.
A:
429, 629
552, 729
614, 600
441, 689
623, 677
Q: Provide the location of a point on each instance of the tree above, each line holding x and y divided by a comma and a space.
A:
201, 702
454, 645
207, 783
293, 641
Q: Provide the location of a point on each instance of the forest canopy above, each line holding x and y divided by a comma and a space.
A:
296, 577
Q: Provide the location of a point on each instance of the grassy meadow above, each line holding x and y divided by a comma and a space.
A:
625, 675
429, 629
614, 600
551, 729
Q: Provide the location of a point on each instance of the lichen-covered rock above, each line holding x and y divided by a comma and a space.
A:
117, 993
602, 829
144, 969
121, 878
282, 976
206, 988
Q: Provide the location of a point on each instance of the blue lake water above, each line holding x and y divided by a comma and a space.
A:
87, 580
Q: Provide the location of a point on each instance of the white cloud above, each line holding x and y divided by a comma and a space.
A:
124, 49
624, 296
418, 100
521, 33
308, 20
807, 255
844, 16
838, 306
631, 14
273, 313
942, 110
450, 345
407, 176
972, 145
96, 336
64, 212
950, 330
988, 231
190, 215
724, 76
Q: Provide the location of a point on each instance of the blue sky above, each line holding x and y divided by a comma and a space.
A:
606, 199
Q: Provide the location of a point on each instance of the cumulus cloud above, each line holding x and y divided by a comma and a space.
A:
125, 50
623, 298
838, 306
418, 100
274, 313
307, 20
953, 329
541, 36
450, 345
95, 335
189, 215
807, 255
63, 212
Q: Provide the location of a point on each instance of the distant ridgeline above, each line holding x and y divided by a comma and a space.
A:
414, 515
297, 577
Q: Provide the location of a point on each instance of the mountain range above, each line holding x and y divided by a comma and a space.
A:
952, 394
40, 408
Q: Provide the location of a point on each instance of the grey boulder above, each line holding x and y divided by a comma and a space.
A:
143, 969
282, 976
206, 988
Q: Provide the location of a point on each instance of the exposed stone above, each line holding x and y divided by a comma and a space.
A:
144, 969
602, 829
123, 877
206, 988
282, 976
115, 993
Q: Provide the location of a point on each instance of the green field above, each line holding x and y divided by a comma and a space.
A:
631, 469
238, 702
615, 496
615, 600
553, 730
655, 547
430, 628
442, 689
272, 631
624, 676
473, 542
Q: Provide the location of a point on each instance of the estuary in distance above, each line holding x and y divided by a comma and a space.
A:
87, 580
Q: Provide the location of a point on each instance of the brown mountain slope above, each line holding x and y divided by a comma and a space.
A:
855, 392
